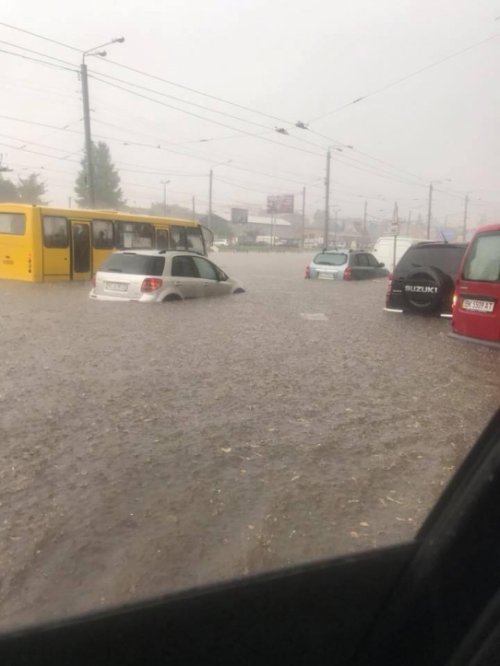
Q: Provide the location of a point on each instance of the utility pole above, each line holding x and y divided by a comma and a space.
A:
165, 183
88, 136
466, 207
210, 184
335, 229
365, 215
303, 217
429, 211
327, 200
194, 209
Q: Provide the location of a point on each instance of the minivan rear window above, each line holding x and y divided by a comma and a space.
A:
483, 260
446, 258
331, 258
134, 264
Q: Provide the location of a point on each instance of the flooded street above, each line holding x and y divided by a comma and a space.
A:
150, 448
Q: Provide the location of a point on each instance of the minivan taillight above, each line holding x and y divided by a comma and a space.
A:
348, 273
151, 284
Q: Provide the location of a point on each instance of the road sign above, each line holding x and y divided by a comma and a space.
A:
280, 203
239, 215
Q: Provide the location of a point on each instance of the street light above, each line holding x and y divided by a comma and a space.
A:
210, 187
429, 209
86, 113
164, 183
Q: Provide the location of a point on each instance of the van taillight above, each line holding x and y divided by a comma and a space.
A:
348, 273
151, 284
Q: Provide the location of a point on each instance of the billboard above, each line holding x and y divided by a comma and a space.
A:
280, 203
239, 215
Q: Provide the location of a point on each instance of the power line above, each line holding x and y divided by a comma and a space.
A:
43, 62
210, 120
34, 152
404, 78
44, 55
35, 34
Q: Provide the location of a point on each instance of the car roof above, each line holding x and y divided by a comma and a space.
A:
437, 244
157, 253
343, 252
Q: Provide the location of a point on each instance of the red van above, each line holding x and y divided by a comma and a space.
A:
476, 303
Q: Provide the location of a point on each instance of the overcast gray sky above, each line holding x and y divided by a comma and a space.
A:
290, 59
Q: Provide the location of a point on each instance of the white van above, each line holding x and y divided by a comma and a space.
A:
384, 249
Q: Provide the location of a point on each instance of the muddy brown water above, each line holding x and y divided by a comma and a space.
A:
147, 449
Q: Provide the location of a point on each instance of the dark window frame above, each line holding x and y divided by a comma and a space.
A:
107, 246
55, 246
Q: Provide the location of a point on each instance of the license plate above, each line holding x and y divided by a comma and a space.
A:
117, 286
478, 306
327, 276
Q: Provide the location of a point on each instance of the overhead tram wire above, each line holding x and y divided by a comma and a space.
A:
35, 34
200, 106
209, 120
38, 53
43, 62
347, 159
405, 78
249, 109
364, 167
152, 76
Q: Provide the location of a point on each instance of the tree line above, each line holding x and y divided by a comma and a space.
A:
108, 193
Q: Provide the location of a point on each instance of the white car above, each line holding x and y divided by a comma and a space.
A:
159, 275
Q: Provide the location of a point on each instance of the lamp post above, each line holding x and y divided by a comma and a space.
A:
164, 183
86, 114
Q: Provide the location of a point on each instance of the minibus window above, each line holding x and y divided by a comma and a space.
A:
138, 235
195, 240
55, 231
12, 223
178, 238
102, 234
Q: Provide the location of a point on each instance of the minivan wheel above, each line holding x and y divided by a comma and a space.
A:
171, 297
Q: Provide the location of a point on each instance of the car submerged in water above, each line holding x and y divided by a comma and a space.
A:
160, 275
345, 265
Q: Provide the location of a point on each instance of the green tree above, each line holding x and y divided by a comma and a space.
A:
8, 191
108, 193
31, 189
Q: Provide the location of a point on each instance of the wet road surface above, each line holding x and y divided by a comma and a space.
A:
150, 448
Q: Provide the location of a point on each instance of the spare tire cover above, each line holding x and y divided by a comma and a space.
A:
424, 289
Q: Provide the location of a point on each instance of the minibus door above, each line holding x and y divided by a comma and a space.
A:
80, 251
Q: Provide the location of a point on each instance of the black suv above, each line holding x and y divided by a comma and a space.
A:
424, 279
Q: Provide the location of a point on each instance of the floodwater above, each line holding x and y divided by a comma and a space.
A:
151, 448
